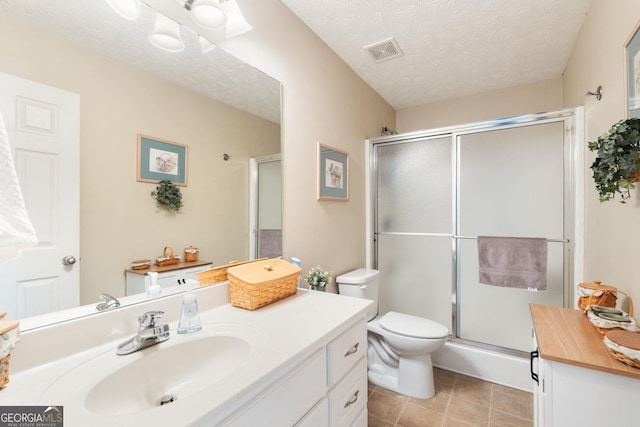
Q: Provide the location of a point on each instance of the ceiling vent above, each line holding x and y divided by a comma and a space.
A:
384, 50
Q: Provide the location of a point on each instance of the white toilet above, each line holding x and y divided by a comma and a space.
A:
400, 345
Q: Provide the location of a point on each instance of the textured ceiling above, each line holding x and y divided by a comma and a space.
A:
452, 48
92, 24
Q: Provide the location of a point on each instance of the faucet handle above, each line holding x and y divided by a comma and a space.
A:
148, 319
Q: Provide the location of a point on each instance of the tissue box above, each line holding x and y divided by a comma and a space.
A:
259, 283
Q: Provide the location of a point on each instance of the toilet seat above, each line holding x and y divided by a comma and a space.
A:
412, 326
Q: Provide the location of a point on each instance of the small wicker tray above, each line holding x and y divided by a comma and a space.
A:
603, 325
140, 264
257, 284
167, 259
219, 274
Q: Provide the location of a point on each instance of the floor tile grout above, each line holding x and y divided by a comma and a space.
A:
477, 403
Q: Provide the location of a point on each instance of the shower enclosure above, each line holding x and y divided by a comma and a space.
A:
432, 193
265, 207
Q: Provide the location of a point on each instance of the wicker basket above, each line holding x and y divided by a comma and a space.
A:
191, 254
140, 264
615, 341
167, 259
4, 370
219, 274
604, 330
257, 284
596, 293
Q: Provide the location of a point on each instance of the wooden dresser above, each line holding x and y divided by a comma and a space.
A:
579, 382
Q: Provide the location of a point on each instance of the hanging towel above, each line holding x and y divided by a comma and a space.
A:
16, 231
513, 262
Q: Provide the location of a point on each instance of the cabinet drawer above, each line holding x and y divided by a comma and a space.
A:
349, 397
289, 400
345, 351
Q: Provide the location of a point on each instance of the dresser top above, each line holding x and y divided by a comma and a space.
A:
566, 335
178, 266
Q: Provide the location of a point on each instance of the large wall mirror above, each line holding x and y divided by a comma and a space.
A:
226, 112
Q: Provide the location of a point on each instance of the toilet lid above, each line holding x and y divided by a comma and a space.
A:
412, 326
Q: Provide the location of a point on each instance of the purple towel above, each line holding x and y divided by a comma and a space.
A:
513, 262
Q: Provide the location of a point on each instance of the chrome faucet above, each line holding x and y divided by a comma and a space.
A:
108, 303
148, 334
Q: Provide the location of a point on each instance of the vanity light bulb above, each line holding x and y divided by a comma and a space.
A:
166, 34
207, 14
128, 9
236, 24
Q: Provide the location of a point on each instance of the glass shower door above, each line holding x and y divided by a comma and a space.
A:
511, 182
413, 227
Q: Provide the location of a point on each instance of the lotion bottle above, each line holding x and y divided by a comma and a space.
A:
154, 290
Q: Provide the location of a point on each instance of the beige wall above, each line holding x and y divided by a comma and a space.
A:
119, 219
611, 229
526, 99
323, 100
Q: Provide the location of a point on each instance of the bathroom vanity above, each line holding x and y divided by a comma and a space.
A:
578, 382
299, 361
171, 275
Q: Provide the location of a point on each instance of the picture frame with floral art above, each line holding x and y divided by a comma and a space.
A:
161, 160
333, 173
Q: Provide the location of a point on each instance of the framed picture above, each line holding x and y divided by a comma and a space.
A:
632, 73
333, 173
160, 160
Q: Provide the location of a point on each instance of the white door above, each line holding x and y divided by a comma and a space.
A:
43, 125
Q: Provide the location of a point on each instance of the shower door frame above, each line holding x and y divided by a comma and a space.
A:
573, 189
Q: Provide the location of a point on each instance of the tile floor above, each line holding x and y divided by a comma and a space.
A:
460, 401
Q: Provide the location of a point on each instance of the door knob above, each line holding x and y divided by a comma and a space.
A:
69, 260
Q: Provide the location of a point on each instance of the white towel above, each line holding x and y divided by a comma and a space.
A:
16, 230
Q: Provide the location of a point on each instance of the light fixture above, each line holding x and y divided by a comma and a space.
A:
236, 24
208, 14
217, 15
128, 9
166, 34
205, 45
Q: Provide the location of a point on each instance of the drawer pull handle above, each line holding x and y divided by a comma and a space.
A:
534, 376
352, 350
353, 400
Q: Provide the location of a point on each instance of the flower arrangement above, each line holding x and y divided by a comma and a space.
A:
318, 277
168, 194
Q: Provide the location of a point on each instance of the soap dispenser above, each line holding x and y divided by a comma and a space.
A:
153, 291
190, 319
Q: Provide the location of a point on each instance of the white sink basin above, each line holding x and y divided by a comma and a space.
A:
175, 372
176, 369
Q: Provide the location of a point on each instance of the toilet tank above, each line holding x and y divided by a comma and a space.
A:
361, 283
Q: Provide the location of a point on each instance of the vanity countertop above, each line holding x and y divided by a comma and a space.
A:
566, 335
289, 330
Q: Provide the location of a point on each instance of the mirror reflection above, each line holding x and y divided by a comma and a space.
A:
225, 112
